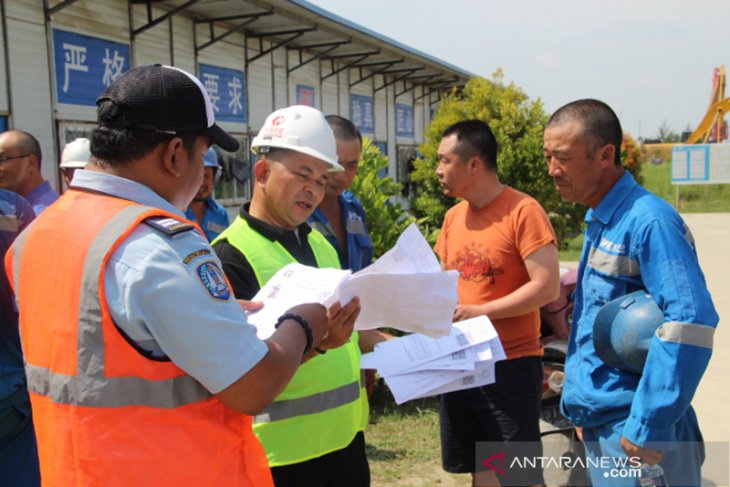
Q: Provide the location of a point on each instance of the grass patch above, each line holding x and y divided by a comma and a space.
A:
572, 252
403, 444
693, 198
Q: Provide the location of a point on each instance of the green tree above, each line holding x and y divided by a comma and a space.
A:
518, 124
666, 134
386, 219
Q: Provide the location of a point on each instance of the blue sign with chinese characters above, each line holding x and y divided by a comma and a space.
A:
362, 113
85, 66
404, 120
227, 91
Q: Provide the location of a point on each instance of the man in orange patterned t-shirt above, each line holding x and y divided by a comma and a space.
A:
504, 247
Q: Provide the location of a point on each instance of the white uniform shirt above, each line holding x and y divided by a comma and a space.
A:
167, 294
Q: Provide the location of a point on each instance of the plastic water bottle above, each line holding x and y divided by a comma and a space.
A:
652, 476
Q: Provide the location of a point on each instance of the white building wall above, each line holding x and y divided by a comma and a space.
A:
29, 79
4, 100
330, 97
343, 90
281, 85
151, 46
381, 118
307, 75
330, 92
260, 90
183, 47
423, 118
392, 149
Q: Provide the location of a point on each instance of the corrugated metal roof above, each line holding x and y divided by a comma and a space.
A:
317, 34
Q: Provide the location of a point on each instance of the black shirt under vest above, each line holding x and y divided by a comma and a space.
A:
239, 270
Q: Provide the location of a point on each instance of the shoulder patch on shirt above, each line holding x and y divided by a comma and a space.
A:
194, 255
168, 226
214, 281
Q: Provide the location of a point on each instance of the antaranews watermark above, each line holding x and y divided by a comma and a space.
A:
560, 460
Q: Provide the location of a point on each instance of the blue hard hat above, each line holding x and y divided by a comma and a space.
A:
211, 159
623, 330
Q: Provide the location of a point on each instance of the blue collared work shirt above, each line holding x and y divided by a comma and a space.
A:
215, 218
359, 245
634, 240
159, 292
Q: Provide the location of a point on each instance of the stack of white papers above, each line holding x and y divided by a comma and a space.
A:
416, 366
404, 289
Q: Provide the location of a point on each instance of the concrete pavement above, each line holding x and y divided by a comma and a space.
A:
712, 400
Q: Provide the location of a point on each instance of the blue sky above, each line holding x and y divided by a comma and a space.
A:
651, 60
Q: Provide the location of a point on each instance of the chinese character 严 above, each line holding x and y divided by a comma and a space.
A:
211, 86
234, 91
112, 67
75, 61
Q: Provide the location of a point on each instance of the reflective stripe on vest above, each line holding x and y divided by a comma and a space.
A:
90, 387
334, 398
325, 400
104, 413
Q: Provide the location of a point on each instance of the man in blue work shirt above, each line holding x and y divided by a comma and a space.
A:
340, 216
633, 241
204, 210
20, 169
18, 452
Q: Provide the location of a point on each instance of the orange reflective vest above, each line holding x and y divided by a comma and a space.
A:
105, 414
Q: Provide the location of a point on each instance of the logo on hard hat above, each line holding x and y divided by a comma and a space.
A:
278, 120
272, 133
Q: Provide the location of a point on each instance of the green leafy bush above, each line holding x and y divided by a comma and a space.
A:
386, 218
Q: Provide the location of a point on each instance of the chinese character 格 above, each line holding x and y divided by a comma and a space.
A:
112, 67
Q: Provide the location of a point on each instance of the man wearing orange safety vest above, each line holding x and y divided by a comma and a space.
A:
141, 367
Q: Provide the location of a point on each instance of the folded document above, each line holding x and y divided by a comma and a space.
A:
404, 289
416, 366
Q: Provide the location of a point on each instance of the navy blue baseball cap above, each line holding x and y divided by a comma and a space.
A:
167, 100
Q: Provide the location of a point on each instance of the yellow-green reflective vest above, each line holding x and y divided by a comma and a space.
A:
325, 404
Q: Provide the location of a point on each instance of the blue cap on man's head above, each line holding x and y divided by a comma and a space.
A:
211, 159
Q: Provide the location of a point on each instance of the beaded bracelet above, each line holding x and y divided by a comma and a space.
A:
303, 323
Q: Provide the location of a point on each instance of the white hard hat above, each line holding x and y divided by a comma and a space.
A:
302, 129
76, 154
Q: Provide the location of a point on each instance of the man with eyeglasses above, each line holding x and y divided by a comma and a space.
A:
20, 169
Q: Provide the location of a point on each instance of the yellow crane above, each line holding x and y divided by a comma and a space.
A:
713, 128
